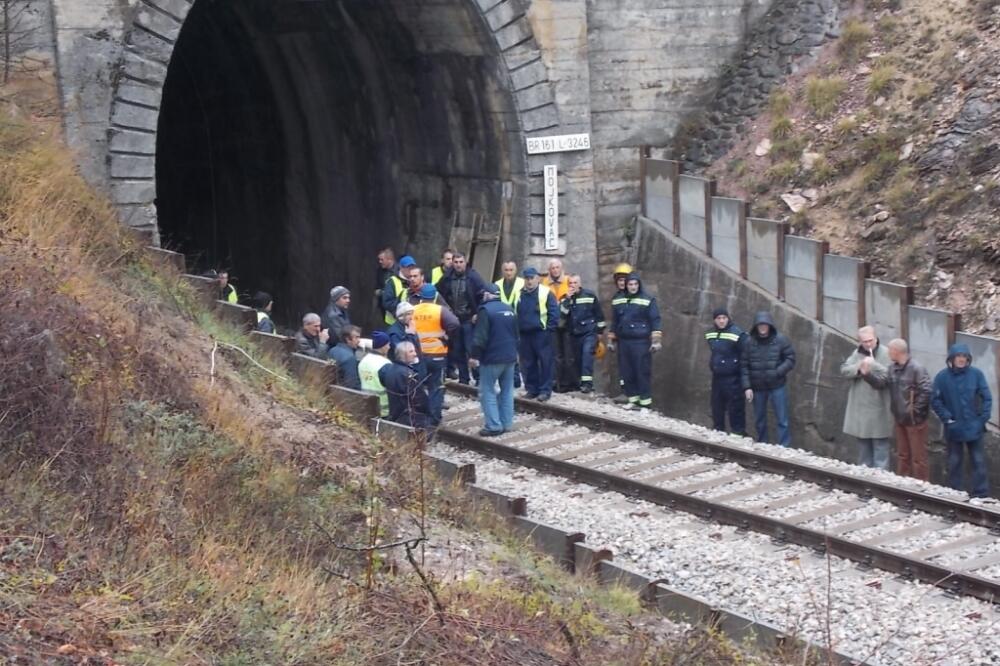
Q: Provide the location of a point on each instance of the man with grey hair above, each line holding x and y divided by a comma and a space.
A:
409, 403
311, 339
868, 414
910, 398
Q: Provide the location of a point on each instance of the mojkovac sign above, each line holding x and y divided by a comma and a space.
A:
558, 144
551, 207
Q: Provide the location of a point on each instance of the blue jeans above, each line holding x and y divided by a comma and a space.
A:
434, 367
874, 452
535, 348
779, 402
977, 461
498, 410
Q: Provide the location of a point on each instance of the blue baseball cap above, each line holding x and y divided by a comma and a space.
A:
407, 261
428, 292
529, 272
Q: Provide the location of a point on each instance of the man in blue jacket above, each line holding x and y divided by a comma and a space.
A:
537, 316
961, 399
637, 328
583, 319
725, 340
409, 402
344, 354
494, 351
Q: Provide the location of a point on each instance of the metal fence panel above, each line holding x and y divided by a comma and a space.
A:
661, 192
885, 308
804, 274
764, 252
695, 196
843, 293
930, 333
728, 225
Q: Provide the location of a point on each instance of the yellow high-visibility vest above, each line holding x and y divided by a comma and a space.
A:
368, 372
512, 298
400, 288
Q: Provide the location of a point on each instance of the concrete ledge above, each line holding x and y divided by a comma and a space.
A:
587, 560
451, 471
166, 258
207, 288
508, 507
609, 573
550, 540
312, 371
279, 346
362, 405
239, 315
394, 432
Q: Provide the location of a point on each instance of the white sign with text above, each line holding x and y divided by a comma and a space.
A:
551, 207
558, 144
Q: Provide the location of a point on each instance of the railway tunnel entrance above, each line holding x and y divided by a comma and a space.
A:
296, 138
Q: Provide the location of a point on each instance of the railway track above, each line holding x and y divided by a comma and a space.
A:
937, 540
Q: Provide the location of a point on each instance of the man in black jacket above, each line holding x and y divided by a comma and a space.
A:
726, 341
767, 359
409, 402
462, 288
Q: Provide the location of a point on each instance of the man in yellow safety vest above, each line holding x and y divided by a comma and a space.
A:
370, 365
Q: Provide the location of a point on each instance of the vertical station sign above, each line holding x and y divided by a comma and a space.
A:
551, 207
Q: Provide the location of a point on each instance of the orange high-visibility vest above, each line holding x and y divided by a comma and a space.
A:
427, 319
560, 288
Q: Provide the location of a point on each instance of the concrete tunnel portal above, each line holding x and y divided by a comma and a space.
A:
296, 138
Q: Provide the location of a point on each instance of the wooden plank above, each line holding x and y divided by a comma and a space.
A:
709, 483
607, 460
752, 491
656, 462
596, 448
551, 444
838, 507
987, 560
934, 551
529, 436
870, 521
924, 527
677, 473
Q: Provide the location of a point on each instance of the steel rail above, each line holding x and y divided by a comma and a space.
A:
908, 500
955, 582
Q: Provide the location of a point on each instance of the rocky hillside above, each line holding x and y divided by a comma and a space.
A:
885, 141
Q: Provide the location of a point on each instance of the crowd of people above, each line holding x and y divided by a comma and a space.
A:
543, 332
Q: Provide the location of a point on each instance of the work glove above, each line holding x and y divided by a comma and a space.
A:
610, 345
655, 347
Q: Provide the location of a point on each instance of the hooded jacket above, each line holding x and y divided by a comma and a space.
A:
635, 316
766, 361
961, 398
868, 414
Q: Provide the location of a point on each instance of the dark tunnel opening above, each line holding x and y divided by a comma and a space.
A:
297, 138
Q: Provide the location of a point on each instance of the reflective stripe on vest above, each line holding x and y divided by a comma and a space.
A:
400, 288
639, 301
620, 301
583, 300
436, 274
512, 299
231, 295
543, 310
715, 335
427, 319
368, 372
261, 316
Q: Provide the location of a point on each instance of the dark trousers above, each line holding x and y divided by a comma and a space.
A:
636, 370
727, 397
535, 349
434, 367
583, 357
980, 485
458, 350
565, 366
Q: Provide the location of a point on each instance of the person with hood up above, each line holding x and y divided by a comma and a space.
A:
335, 318
636, 328
961, 398
725, 341
868, 416
767, 359
622, 271
262, 303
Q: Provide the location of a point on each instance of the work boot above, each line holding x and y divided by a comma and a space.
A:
586, 388
544, 397
620, 399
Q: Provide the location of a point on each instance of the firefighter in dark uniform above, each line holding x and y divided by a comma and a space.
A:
726, 341
583, 321
636, 328
622, 271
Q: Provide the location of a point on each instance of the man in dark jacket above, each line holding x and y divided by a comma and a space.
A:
462, 288
404, 329
583, 322
409, 403
910, 400
636, 327
311, 340
344, 354
494, 351
537, 316
394, 289
961, 399
767, 359
725, 341
335, 317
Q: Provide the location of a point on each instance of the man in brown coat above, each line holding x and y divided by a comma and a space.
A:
910, 399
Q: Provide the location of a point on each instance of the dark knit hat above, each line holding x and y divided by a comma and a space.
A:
379, 340
719, 311
338, 292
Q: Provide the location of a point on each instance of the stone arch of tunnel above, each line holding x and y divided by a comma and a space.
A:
295, 138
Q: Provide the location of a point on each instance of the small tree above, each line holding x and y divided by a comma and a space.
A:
15, 30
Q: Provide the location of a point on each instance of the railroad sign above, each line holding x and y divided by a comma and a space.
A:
551, 207
558, 144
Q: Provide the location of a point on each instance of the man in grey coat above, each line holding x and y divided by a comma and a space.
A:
868, 415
